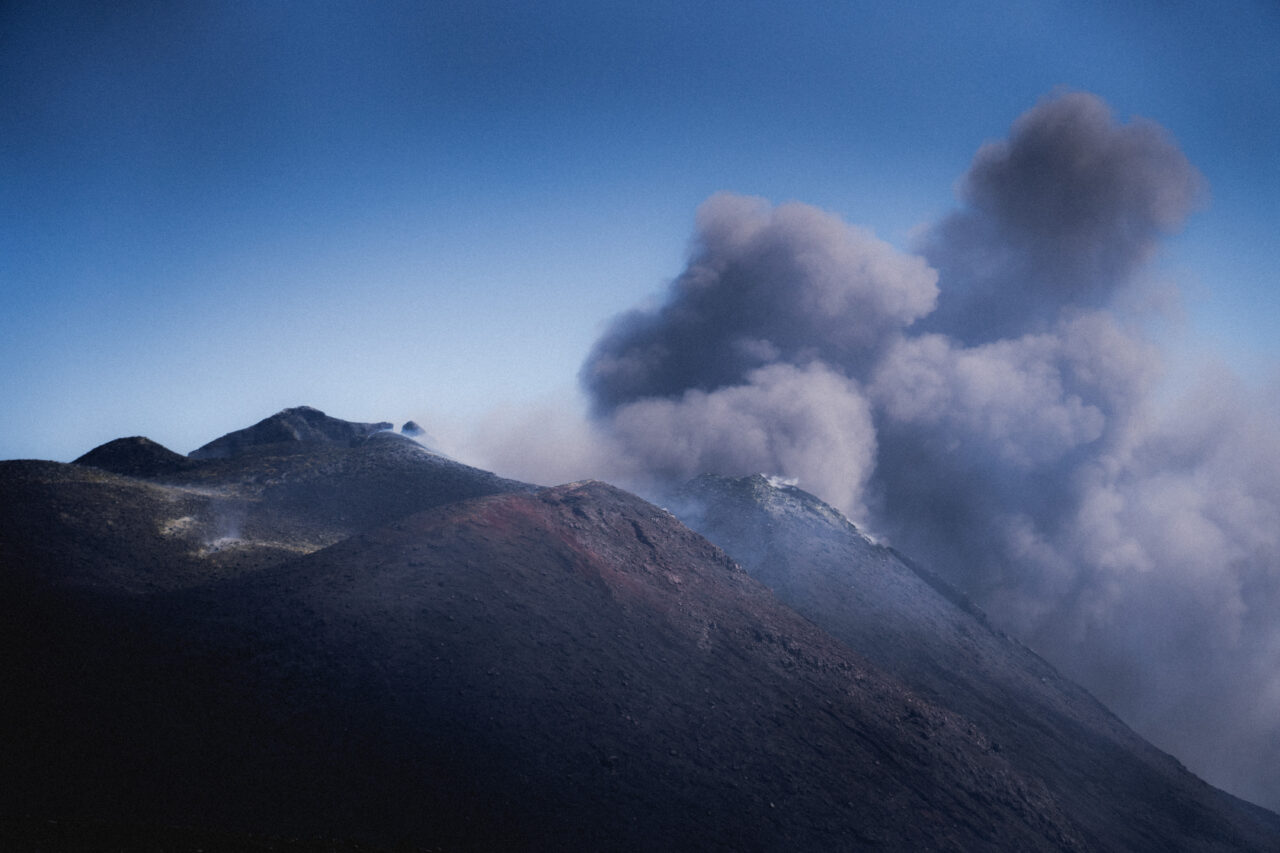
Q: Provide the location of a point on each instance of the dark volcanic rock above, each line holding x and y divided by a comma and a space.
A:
135, 457
302, 424
412, 429
1125, 794
142, 529
571, 669
352, 637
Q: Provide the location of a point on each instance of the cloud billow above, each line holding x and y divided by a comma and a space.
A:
765, 285
810, 422
987, 407
1062, 213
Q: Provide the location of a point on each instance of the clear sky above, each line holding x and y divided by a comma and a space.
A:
212, 211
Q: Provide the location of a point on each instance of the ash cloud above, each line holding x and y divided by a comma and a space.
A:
987, 406
1062, 213
765, 285
810, 422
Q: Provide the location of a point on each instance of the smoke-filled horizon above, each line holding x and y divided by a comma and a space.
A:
987, 401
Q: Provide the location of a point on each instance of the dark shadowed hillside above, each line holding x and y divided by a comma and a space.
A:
330, 632
132, 515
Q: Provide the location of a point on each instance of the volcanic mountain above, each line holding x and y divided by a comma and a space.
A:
1125, 793
316, 628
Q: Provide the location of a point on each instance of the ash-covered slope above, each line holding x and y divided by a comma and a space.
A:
571, 669
349, 636
1125, 794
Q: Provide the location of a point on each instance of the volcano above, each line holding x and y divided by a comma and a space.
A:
319, 629
1125, 793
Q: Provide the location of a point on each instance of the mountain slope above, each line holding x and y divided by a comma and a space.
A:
571, 668
133, 515
329, 631
1125, 793
300, 425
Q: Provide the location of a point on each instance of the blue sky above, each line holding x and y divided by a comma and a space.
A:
209, 212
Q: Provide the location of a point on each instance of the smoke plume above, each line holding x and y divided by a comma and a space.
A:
810, 422
765, 286
987, 406
1062, 213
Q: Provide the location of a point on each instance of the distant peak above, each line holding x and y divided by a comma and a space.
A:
135, 456
298, 425
775, 495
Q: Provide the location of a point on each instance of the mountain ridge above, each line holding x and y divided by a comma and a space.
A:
349, 636
906, 620
300, 424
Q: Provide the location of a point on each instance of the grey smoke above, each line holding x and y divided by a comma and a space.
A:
810, 422
1062, 213
765, 285
1014, 438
